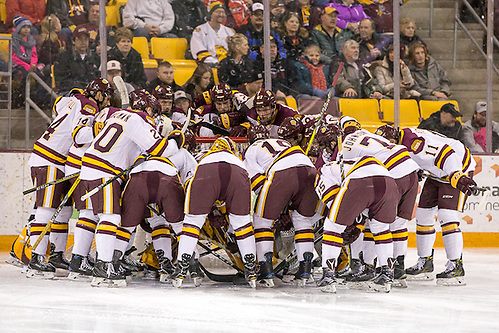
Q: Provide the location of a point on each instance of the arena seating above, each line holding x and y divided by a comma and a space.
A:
366, 111
428, 107
168, 48
409, 112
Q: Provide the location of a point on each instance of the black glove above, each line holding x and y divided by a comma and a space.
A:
462, 182
420, 175
216, 218
238, 131
232, 119
353, 231
284, 221
178, 137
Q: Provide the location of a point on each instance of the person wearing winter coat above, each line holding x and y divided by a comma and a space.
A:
149, 18
324, 35
313, 76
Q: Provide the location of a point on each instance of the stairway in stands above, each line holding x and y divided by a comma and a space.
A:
469, 78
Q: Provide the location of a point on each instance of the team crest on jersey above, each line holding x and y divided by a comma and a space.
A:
90, 109
416, 144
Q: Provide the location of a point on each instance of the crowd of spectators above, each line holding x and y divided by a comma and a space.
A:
309, 39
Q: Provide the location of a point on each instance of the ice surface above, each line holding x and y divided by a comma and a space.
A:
28, 305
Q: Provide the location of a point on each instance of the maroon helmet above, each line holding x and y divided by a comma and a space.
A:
220, 93
257, 132
163, 91
190, 139
328, 133
264, 98
388, 132
135, 94
290, 128
97, 85
144, 101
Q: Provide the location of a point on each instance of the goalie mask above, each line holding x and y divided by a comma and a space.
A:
389, 133
349, 125
224, 143
257, 132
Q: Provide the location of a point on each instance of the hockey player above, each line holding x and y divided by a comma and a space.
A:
164, 94
402, 168
159, 181
266, 111
282, 175
125, 136
444, 193
225, 108
220, 175
349, 188
47, 163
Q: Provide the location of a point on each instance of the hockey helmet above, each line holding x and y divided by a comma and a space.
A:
144, 101
135, 94
163, 91
99, 85
224, 143
349, 125
257, 132
220, 93
190, 139
328, 133
388, 132
264, 98
290, 128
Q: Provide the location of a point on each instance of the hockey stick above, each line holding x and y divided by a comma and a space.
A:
57, 181
56, 213
340, 157
187, 121
112, 179
330, 95
218, 256
215, 129
220, 277
121, 87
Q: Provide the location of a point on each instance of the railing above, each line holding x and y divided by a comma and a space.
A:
458, 22
8, 74
30, 104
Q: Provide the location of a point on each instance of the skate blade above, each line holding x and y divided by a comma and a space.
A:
99, 282
34, 274
16, 262
288, 278
197, 281
267, 283
118, 283
165, 278
455, 281
252, 283
380, 287
400, 283
59, 272
177, 283
74, 276
421, 277
362, 285
330, 288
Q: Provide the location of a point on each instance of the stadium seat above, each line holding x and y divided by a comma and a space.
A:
366, 111
409, 112
111, 16
3, 11
168, 48
428, 107
183, 70
142, 46
292, 103
4, 48
215, 75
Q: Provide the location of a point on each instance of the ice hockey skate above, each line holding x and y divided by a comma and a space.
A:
359, 279
196, 273
399, 275
13, 260
181, 270
327, 283
304, 270
384, 280
453, 275
266, 271
105, 275
60, 263
38, 267
250, 269
422, 270
166, 267
80, 268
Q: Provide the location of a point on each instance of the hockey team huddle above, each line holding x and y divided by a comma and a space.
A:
334, 186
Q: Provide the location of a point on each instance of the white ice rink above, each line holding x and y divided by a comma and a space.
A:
28, 305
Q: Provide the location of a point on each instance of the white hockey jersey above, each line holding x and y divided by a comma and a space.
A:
210, 46
438, 154
270, 155
52, 148
125, 136
395, 158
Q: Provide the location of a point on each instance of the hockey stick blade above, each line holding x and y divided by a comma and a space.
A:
187, 121
120, 85
54, 182
221, 277
483, 202
214, 128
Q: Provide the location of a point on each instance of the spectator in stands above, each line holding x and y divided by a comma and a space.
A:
294, 37
53, 43
113, 70
209, 40
283, 72
384, 77
444, 122
131, 62
70, 12
474, 131
277, 10
309, 15
200, 81
33, 10
182, 100
354, 80
188, 15
253, 30
237, 12
408, 35
350, 14
165, 76
236, 67
254, 84
92, 25
149, 18
381, 11
324, 35
78, 65
313, 76
431, 80
371, 44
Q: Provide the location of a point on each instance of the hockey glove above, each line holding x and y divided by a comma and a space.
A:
284, 221
216, 218
232, 119
420, 175
353, 231
462, 182
178, 137
238, 131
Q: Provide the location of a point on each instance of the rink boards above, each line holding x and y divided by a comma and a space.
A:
480, 229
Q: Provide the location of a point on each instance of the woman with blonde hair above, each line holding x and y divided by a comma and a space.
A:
53, 42
294, 37
200, 81
408, 35
235, 69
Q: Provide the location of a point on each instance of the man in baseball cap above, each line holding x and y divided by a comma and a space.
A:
444, 121
474, 130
